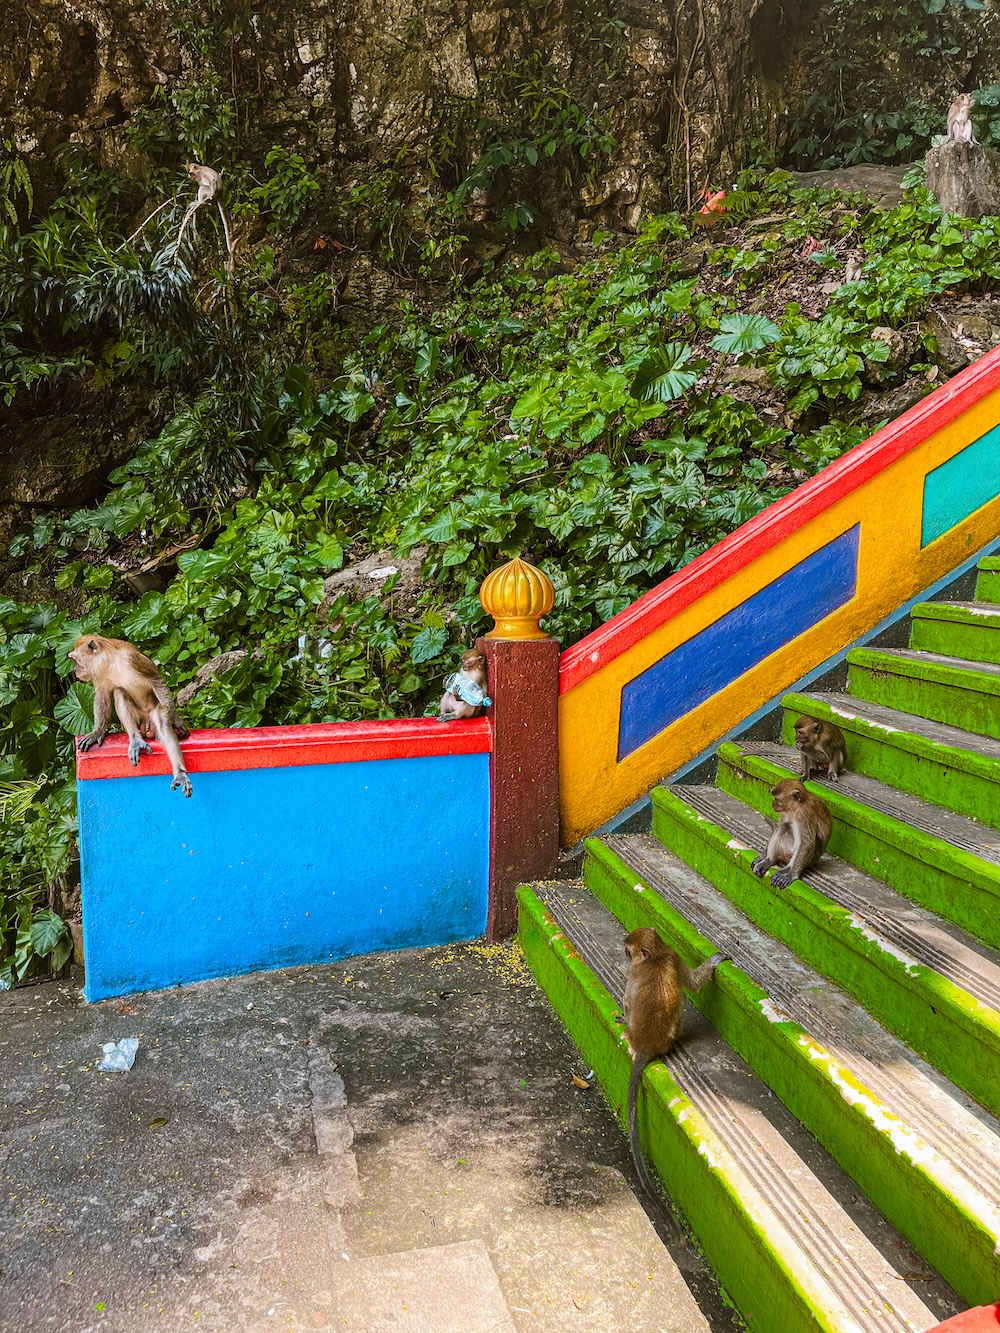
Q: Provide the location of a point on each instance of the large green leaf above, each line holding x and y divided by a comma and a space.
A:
661, 377
46, 931
745, 333
75, 710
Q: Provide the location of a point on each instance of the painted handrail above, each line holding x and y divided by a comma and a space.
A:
911, 528
228, 750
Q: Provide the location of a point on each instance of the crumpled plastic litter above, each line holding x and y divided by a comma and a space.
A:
119, 1056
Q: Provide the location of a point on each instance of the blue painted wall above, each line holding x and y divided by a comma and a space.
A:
275, 867
959, 487
723, 651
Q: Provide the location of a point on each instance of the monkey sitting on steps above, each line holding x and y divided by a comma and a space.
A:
121, 674
653, 1006
800, 839
822, 747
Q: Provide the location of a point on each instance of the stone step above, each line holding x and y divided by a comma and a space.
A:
944, 861
988, 579
922, 1151
793, 1242
925, 979
969, 630
953, 690
946, 765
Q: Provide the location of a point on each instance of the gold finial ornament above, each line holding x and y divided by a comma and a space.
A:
517, 595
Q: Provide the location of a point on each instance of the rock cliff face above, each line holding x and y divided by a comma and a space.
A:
576, 113
682, 86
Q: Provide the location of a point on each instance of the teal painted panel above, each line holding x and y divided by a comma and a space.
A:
959, 487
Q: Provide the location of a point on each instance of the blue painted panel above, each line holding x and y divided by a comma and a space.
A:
722, 652
277, 867
959, 487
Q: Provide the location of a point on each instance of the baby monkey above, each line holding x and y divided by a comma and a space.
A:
654, 998
960, 119
800, 839
822, 747
121, 674
465, 690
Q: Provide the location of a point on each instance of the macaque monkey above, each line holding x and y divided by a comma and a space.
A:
652, 1005
960, 119
822, 747
465, 690
853, 266
801, 836
210, 189
121, 674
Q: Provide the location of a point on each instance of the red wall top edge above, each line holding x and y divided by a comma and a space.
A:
778, 521
282, 747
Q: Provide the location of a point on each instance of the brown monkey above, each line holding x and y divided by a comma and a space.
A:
465, 690
210, 189
822, 747
653, 1003
121, 674
801, 835
960, 120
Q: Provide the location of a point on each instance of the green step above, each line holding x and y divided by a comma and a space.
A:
957, 769
793, 1244
956, 691
970, 630
944, 861
920, 976
988, 579
919, 1149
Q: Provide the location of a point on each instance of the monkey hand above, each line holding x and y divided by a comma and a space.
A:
88, 742
181, 731
761, 865
183, 781
782, 878
136, 747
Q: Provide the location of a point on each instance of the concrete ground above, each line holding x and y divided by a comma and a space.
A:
392, 1143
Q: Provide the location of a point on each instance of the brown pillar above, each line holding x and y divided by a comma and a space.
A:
524, 771
523, 682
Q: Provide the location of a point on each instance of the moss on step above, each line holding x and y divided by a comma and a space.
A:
950, 881
958, 779
988, 579
895, 1167
922, 1007
767, 1276
956, 631
959, 696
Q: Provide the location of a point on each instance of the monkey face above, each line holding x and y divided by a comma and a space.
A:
788, 794
806, 730
473, 660
85, 654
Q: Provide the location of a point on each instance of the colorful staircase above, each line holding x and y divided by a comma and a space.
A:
829, 1127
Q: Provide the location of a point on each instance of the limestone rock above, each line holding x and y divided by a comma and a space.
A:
965, 179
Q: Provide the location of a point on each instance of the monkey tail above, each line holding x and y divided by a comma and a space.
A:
674, 1228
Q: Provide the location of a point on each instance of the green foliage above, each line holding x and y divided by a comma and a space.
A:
561, 408
882, 76
14, 180
288, 191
